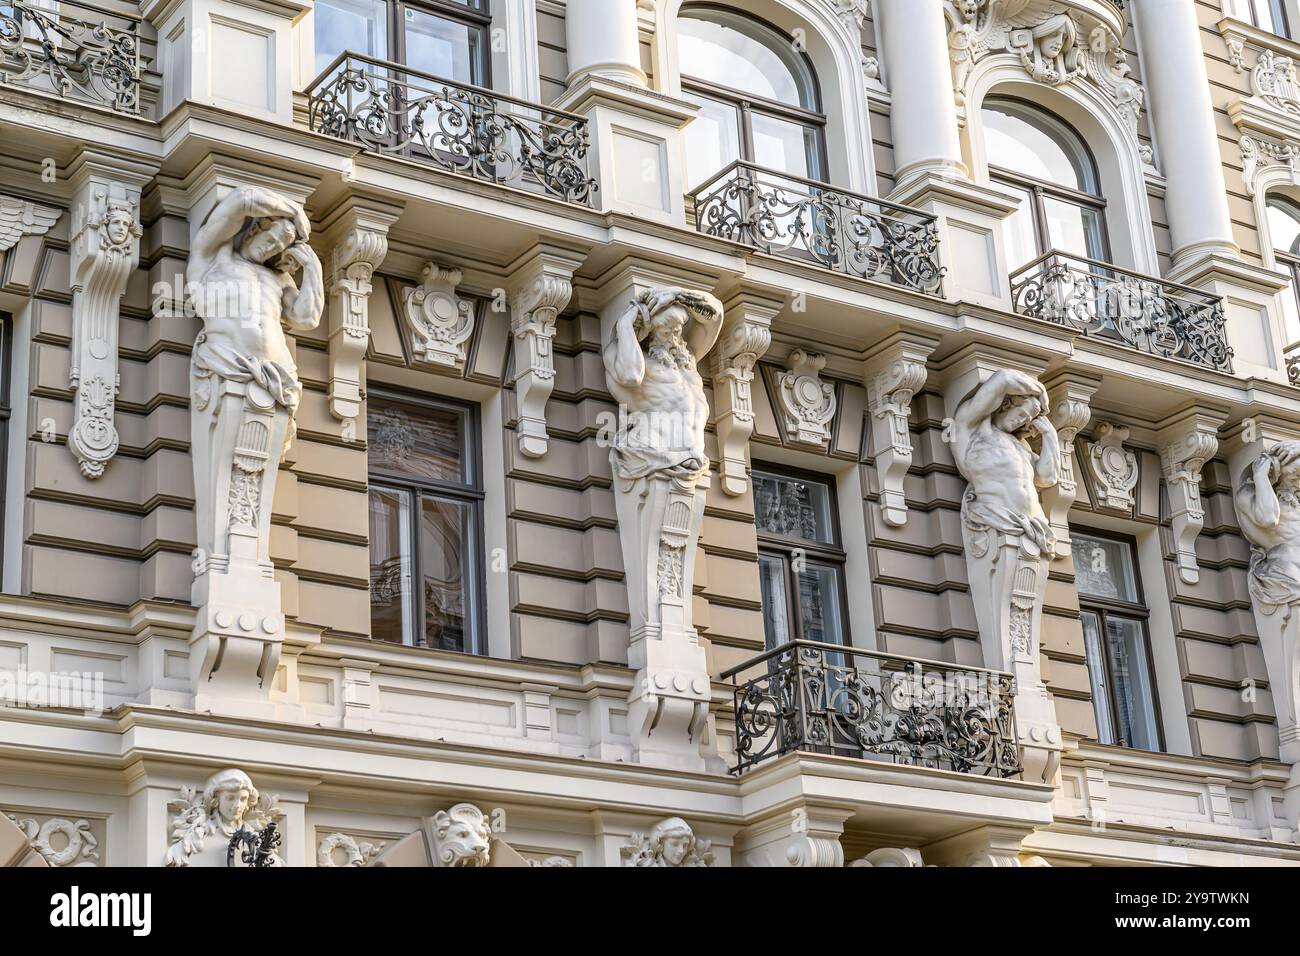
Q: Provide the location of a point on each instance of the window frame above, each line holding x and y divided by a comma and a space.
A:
1278, 14
1140, 612
478, 17
469, 492
6, 413
747, 104
782, 547
1290, 258
1038, 189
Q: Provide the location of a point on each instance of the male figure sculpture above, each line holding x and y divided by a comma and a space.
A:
1009, 541
241, 279
660, 470
991, 432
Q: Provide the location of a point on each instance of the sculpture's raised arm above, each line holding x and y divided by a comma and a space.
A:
995, 390
304, 303
1257, 499
706, 315
624, 360
1047, 467
230, 215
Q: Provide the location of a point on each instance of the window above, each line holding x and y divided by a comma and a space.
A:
426, 521
1284, 233
448, 38
757, 95
1115, 641
800, 559
1268, 15
1046, 163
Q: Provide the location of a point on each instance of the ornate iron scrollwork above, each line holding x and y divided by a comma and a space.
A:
88, 59
827, 699
390, 108
256, 849
1145, 313
839, 230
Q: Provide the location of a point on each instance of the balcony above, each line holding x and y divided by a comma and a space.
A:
72, 50
826, 699
392, 109
1105, 302
813, 222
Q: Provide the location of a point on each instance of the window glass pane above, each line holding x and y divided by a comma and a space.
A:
391, 597
819, 604
1284, 226
776, 609
442, 47
1025, 141
785, 146
1073, 228
793, 507
417, 441
445, 557
736, 52
712, 139
1104, 568
1096, 657
1134, 695
357, 25
1022, 240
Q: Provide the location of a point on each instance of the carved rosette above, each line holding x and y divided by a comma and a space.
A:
105, 250
532, 326
744, 340
1113, 467
61, 842
892, 381
808, 404
1055, 48
440, 322
1183, 453
357, 252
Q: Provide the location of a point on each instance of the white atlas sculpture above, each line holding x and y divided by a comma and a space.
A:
1267, 502
660, 476
1009, 542
245, 392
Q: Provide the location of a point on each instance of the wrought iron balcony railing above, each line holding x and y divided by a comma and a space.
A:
1291, 356
391, 108
1103, 301
806, 220
74, 50
822, 698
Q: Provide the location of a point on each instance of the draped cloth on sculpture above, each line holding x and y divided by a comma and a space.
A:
1274, 577
632, 462
980, 515
278, 381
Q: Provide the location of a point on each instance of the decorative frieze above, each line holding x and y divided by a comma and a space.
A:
1259, 156
216, 825
105, 251
807, 403
440, 322
1185, 445
60, 841
540, 289
1054, 47
22, 217
1113, 467
893, 376
746, 335
671, 843
344, 850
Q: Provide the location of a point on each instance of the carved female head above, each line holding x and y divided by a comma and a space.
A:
673, 841
228, 796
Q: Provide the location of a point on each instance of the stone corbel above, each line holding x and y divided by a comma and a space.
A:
1186, 443
803, 836
1114, 468
105, 251
356, 235
1071, 412
441, 323
893, 375
808, 404
541, 284
746, 335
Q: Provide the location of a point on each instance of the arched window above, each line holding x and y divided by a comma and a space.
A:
757, 95
1270, 15
1284, 234
1047, 163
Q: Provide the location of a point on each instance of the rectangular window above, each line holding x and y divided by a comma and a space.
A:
1269, 15
448, 38
1114, 618
426, 523
801, 560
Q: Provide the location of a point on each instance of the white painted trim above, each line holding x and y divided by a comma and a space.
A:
496, 583
1283, 181
15, 477
857, 568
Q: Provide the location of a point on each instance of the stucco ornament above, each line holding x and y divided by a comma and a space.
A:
660, 475
1009, 540
462, 836
59, 841
250, 270
441, 323
808, 402
671, 842
1113, 467
340, 850
22, 217
206, 821
1053, 46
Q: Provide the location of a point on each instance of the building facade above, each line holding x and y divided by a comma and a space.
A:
649, 432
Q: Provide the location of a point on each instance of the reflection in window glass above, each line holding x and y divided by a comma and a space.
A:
712, 139
1284, 225
1103, 567
420, 442
792, 507
1134, 696
819, 604
783, 145
391, 604
736, 52
442, 47
1025, 141
444, 551
776, 610
357, 25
